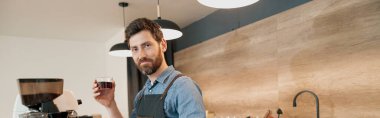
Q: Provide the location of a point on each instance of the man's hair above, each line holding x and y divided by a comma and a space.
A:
141, 24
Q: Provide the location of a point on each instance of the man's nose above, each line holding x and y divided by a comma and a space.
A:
142, 53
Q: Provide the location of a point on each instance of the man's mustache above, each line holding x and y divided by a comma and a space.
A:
144, 60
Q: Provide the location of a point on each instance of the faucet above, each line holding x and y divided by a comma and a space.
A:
279, 112
315, 96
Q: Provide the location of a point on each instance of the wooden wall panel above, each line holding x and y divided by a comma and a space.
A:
331, 47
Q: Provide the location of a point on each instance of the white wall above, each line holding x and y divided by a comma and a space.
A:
117, 68
78, 63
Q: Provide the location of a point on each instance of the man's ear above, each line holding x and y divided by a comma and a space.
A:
163, 45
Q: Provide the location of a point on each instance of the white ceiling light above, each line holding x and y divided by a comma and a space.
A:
170, 34
121, 49
227, 4
169, 29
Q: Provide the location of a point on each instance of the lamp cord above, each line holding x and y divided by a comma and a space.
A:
158, 9
123, 17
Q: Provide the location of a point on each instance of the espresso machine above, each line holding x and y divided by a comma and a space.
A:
39, 95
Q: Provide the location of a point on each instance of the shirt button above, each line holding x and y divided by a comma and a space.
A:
150, 91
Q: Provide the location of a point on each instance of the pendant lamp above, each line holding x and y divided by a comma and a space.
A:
121, 49
227, 4
169, 29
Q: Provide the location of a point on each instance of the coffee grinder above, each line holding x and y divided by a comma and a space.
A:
37, 94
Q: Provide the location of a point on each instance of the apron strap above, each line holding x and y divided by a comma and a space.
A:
167, 88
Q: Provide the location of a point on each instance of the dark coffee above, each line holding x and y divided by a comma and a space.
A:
36, 99
105, 84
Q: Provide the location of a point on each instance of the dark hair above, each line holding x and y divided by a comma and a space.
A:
141, 24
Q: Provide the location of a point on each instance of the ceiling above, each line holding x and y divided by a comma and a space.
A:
88, 20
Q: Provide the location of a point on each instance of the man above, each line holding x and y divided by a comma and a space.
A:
167, 93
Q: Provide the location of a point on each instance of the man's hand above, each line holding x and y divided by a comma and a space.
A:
104, 96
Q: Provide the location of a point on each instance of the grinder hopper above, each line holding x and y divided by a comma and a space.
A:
35, 91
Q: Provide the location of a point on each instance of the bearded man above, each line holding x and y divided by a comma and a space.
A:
167, 93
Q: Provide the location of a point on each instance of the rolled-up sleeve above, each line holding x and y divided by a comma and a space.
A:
189, 99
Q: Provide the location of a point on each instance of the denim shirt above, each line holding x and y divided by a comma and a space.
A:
183, 100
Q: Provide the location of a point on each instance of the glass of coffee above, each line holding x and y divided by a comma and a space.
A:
104, 82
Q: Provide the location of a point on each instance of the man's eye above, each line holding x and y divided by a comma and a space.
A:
134, 49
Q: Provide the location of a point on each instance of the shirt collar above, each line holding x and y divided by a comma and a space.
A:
164, 75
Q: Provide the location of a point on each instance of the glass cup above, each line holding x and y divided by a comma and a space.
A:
104, 82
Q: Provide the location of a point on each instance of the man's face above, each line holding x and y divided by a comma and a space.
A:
146, 52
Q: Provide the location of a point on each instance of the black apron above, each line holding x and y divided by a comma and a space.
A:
152, 106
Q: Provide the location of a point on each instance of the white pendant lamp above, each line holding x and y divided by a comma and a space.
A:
121, 49
169, 29
227, 4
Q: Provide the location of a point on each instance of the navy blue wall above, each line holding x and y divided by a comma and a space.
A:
225, 20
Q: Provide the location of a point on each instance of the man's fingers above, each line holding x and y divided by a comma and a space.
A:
96, 90
95, 84
96, 95
113, 83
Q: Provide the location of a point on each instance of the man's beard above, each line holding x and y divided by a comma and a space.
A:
150, 69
